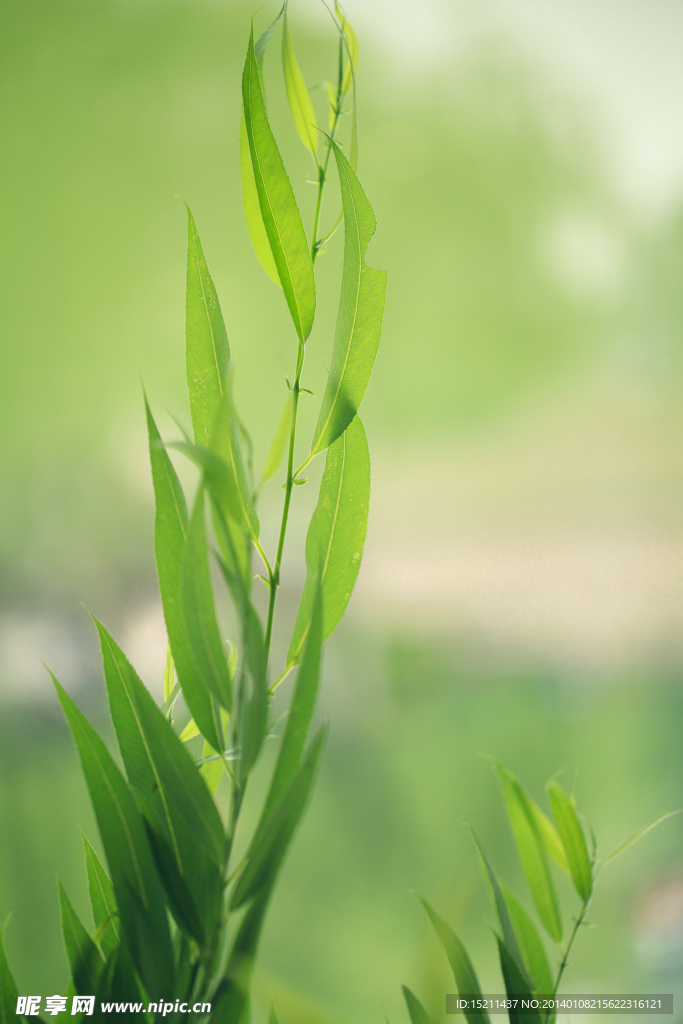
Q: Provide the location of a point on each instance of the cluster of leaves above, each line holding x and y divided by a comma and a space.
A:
175, 917
569, 841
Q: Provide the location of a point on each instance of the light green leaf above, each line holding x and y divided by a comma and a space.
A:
8, 988
170, 529
535, 959
531, 853
573, 840
516, 986
417, 1012
189, 732
642, 832
211, 771
169, 674
359, 320
138, 892
332, 96
548, 835
102, 901
227, 444
252, 208
84, 958
336, 535
207, 352
279, 443
465, 976
351, 50
200, 616
299, 99
280, 213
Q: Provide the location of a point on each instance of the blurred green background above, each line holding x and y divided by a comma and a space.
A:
522, 589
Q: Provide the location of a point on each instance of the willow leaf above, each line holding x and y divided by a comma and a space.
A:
640, 833
336, 535
252, 208
280, 213
359, 320
531, 853
465, 976
84, 958
207, 352
299, 99
573, 840
516, 986
530, 943
170, 532
226, 442
548, 835
102, 901
416, 1011
138, 892
351, 50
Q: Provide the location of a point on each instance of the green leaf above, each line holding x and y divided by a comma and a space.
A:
503, 914
169, 674
279, 443
642, 832
226, 442
200, 616
8, 989
351, 50
280, 213
83, 955
299, 99
170, 531
208, 353
548, 835
359, 320
332, 97
102, 901
336, 535
252, 208
230, 1003
211, 771
465, 976
573, 840
516, 986
138, 892
418, 1014
267, 850
531, 853
188, 829
530, 943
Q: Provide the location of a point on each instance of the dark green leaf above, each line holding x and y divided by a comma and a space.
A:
230, 1003
278, 207
640, 833
516, 986
465, 976
418, 1014
336, 535
530, 943
170, 530
531, 853
253, 712
300, 104
208, 354
102, 901
83, 955
200, 616
8, 989
139, 895
359, 320
267, 851
573, 840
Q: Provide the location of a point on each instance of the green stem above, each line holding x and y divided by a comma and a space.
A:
565, 959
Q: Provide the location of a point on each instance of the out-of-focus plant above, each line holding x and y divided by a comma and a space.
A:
176, 917
569, 841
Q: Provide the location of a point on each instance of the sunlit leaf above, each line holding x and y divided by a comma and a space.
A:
530, 943
211, 771
351, 50
642, 832
138, 892
548, 835
416, 1011
169, 674
280, 213
252, 208
279, 443
84, 958
465, 976
102, 901
531, 853
573, 840
299, 99
336, 535
359, 320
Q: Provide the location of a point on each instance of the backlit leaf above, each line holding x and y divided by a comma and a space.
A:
548, 835
351, 50
464, 974
252, 208
169, 674
573, 840
336, 535
359, 319
300, 104
416, 1011
102, 901
280, 213
641, 832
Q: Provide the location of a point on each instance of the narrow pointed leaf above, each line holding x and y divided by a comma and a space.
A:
416, 1011
464, 974
516, 986
226, 441
253, 711
138, 892
207, 353
8, 989
200, 616
83, 955
268, 850
509, 936
641, 832
573, 840
279, 443
530, 943
336, 535
169, 674
299, 99
351, 50
170, 532
359, 320
230, 1004
548, 835
280, 213
531, 853
102, 901
252, 208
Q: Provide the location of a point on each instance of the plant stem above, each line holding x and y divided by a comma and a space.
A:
565, 959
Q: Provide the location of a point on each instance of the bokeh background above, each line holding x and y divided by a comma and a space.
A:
522, 589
